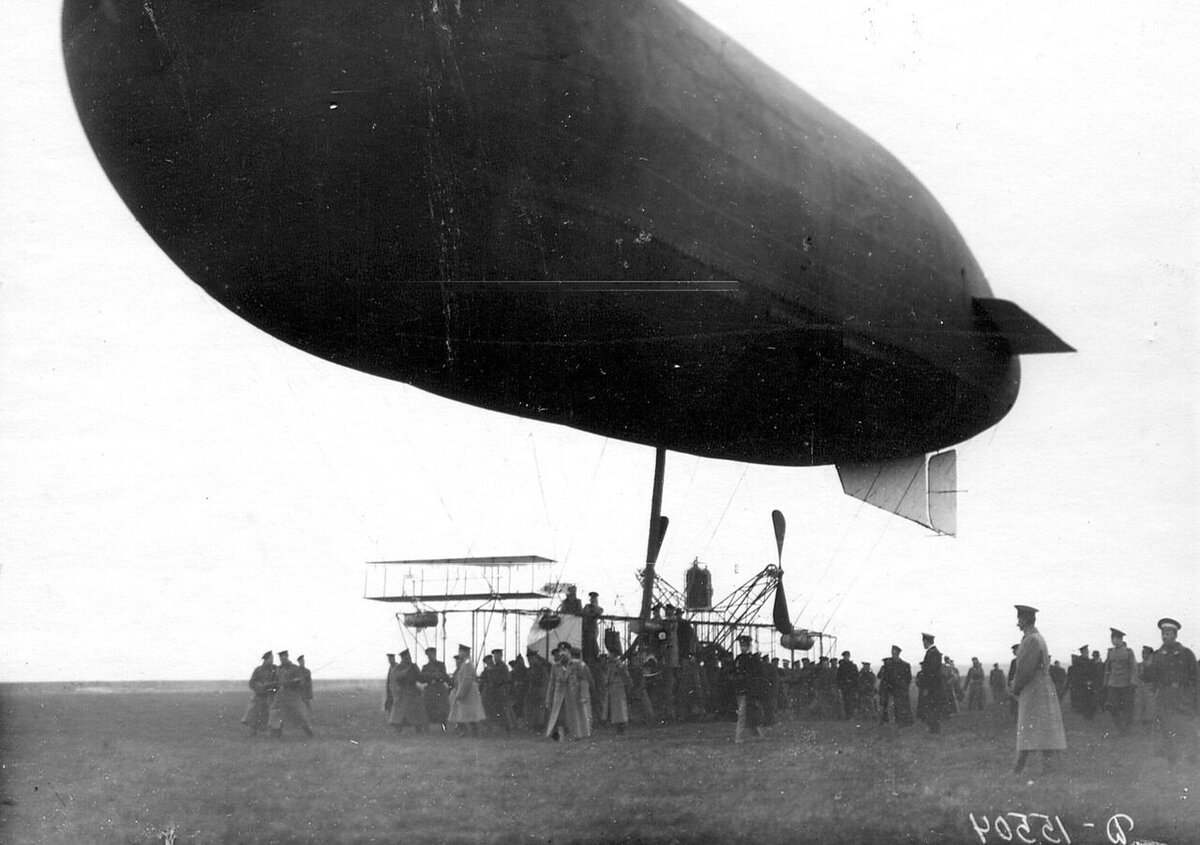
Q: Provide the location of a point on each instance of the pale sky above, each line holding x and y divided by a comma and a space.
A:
181, 492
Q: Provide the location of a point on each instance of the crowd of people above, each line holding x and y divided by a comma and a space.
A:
665, 676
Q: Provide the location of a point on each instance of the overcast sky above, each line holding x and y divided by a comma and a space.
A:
180, 491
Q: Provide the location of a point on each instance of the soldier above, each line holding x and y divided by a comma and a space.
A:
1081, 685
974, 691
437, 687
262, 685
1039, 717
893, 687
931, 688
466, 707
1012, 673
502, 691
592, 612
570, 602
867, 698
847, 681
387, 684
747, 672
998, 684
534, 711
614, 701
286, 705
1120, 676
407, 705
1144, 699
1059, 675
1172, 674
306, 693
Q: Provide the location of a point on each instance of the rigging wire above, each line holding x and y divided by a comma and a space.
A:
867, 558
721, 518
583, 509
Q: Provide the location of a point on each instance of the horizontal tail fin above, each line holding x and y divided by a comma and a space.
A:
922, 491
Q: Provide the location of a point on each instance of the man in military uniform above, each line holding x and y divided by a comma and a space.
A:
867, 698
387, 684
306, 693
436, 696
501, 682
747, 674
287, 704
262, 685
1172, 674
1081, 685
931, 688
592, 611
1120, 677
847, 681
899, 679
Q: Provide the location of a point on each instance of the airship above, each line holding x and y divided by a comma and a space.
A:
604, 214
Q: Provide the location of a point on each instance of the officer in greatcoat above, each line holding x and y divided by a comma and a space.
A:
287, 705
1120, 680
1039, 716
931, 688
1172, 673
262, 687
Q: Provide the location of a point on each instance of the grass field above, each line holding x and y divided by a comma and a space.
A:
132, 767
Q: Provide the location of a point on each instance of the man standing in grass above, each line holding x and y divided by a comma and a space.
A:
408, 708
931, 689
262, 685
1039, 717
306, 694
747, 676
437, 685
1120, 674
466, 707
287, 705
1172, 674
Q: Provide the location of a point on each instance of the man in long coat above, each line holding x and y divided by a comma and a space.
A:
436, 696
565, 712
931, 687
387, 684
748, 682
287, 704
1081, 684
466, 707
262, 685
614, 701
998, 683
1039, 716
1120, 679
579, 685
306, 691
1173, 676
408, 708
534, 711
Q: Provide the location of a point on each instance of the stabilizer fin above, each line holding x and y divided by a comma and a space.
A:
1021, 331
913, 488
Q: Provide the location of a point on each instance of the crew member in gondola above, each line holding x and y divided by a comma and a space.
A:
570, 602
592, 612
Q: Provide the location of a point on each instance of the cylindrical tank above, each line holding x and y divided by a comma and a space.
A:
699, 588
797, 641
